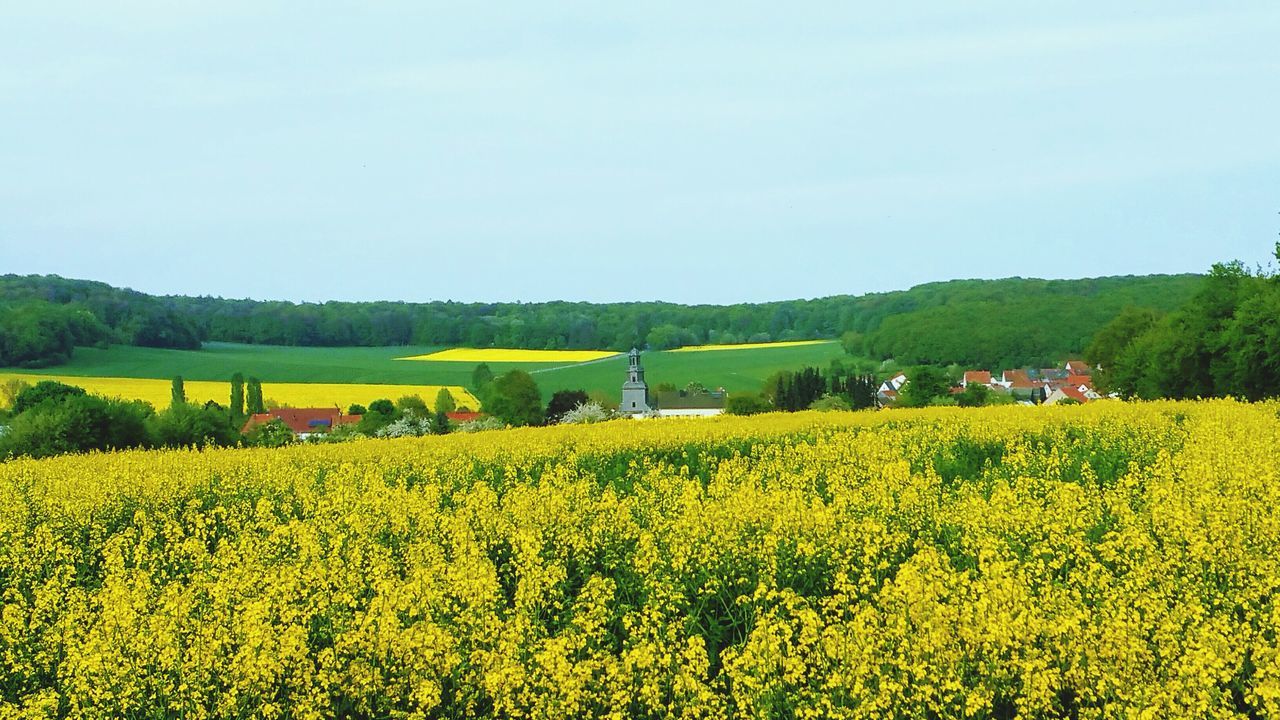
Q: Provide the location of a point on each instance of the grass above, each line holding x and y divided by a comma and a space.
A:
738, 371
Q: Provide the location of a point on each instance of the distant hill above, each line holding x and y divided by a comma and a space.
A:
1013, 321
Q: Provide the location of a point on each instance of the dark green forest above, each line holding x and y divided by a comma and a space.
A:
975, 322
1224, 341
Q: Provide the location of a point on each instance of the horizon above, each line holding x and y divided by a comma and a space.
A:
709, 155
609, 302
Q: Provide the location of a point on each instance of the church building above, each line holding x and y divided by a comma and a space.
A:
635, 392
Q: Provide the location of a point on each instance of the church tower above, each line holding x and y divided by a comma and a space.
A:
635, 392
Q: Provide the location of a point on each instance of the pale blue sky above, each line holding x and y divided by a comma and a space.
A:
694, 152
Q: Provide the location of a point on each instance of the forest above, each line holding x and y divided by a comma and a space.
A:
1013, 321
1224, 341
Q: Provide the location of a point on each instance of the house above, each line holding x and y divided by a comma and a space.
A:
1015, 378
979, 377
1063, 394
1077, 367
457, 418
894, 383
681, 403
887, 397
1079, 380
304, 422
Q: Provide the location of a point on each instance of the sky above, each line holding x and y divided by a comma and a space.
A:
709, 152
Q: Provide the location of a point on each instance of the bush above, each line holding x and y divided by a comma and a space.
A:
747, 405
830, 402
273, 433
77, 423
584, 414
410, 425
481, 424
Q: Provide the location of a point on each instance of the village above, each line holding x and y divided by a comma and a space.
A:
1070, 384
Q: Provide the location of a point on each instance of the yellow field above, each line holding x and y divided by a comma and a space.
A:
1109, 560
750, 346
500, 355
343, 395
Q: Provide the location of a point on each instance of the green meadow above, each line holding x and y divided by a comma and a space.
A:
734, 370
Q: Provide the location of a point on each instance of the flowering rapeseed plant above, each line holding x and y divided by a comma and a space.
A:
1102, 561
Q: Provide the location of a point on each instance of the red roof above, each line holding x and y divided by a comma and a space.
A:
461, 417
1078, 380
1017, 377
303, 420
1075, 394
982, 377
1078, 367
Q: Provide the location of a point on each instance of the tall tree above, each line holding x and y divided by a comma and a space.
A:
237, 395
254, 396
177, 392
445, 402
481, 377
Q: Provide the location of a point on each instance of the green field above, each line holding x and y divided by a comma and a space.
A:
734, 370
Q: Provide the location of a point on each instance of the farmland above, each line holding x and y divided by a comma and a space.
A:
1107, 560
741, 370
157, 392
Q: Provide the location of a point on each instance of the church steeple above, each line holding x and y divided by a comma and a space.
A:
635, 392
635, 372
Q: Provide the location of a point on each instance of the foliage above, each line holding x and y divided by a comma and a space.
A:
514, 399
272, 434
195, 426
1015, 323
746, 404
177, 391
357, 409
440, 424
975, 395
984, 322
72, 423
481, 377
45, 391
413, 404
828, 403
445, 402
924, 386
1224, 342
481, 424
562, 401
585, 413
407, 425
254, 404
1109, 560
10, 389
34, 334
237, 396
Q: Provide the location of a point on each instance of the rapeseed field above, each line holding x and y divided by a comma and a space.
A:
507, 355
1101, 561
750, 346
157, 392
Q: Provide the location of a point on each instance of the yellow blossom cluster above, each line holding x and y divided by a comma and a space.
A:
1101, 561
159, 392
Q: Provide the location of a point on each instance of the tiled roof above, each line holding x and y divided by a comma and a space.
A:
982, 377
1075, 394
303, 420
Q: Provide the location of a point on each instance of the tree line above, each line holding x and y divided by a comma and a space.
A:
1225, 340
1012, 321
